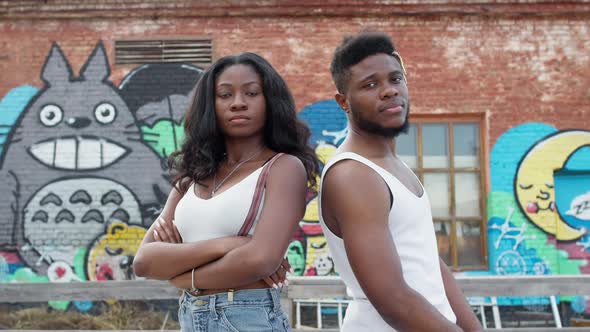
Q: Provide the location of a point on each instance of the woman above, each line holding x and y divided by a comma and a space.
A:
242, 116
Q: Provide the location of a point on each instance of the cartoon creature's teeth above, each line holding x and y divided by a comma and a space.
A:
77, 153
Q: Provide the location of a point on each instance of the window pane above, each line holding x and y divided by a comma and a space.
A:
437, 187
435, 145
469, 243
405, 147
466, 144
467, 195
443, 240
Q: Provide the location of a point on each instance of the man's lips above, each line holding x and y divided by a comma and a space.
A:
391, 108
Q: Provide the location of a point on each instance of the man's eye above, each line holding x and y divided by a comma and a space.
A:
370, 85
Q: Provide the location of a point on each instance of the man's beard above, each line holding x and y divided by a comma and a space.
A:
377, 129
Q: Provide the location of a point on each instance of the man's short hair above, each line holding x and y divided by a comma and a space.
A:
355, 49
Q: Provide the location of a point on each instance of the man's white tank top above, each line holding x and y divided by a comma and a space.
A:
222, 215
412, 230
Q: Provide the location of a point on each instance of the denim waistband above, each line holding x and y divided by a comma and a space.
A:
265, 296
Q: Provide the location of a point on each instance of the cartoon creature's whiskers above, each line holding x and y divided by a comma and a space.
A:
128, 132
141, 140
139, 121
15, 140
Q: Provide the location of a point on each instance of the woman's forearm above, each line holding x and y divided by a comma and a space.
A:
238, 267
163, 261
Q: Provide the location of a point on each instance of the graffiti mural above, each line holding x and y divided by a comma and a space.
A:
75, 206
328, 126
534, 183
111, 255
540, 177
159, 105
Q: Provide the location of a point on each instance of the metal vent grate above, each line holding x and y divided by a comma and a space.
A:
195, 51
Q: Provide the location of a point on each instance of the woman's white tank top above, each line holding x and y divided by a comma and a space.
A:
412, 229
222, 215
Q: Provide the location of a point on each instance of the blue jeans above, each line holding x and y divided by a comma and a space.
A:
252, 310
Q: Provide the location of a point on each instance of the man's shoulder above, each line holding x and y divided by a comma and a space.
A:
340, 169
346, 178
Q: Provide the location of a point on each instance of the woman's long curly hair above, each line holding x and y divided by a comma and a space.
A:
204, 146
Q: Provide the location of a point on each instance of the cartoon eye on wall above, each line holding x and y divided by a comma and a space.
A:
105, 113
51, 115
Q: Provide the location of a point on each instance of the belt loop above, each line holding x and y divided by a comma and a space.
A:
181, 300
276, 301
212, 310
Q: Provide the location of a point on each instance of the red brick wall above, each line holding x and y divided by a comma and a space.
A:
513, 68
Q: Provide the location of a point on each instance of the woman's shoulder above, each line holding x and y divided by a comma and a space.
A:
287, 164
287, 159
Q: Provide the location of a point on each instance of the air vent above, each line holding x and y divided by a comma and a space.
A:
195, 51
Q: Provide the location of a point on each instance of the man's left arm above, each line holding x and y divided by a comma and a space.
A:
465, 317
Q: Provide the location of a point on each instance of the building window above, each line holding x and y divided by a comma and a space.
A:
198, 51
446, 154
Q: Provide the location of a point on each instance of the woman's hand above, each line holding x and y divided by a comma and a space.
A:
166, 231
279, 278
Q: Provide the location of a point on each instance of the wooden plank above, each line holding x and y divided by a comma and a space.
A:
525, 285
121, 290
520, 329
299, 287
471, 286
537, 329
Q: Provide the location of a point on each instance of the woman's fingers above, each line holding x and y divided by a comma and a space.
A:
269, 282
287, 265
167, 229
162, 236
157, 236
176, 233
281, 273
276, 279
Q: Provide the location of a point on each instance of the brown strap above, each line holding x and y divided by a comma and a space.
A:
257, 199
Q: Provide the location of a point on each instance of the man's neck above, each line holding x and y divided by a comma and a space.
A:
369, 144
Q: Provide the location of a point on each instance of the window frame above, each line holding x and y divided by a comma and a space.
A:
449, 119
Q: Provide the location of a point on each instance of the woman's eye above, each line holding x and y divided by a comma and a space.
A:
370, 85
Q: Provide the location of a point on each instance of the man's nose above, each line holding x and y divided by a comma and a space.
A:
389, 90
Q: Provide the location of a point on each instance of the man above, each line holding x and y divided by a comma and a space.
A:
374, 212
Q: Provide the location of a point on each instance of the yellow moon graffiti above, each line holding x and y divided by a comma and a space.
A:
534, 181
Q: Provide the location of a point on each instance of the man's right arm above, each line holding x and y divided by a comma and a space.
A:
359, 201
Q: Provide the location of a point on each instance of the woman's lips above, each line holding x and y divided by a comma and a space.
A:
239, 119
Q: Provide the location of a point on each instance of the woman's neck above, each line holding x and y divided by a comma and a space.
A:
238, 150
